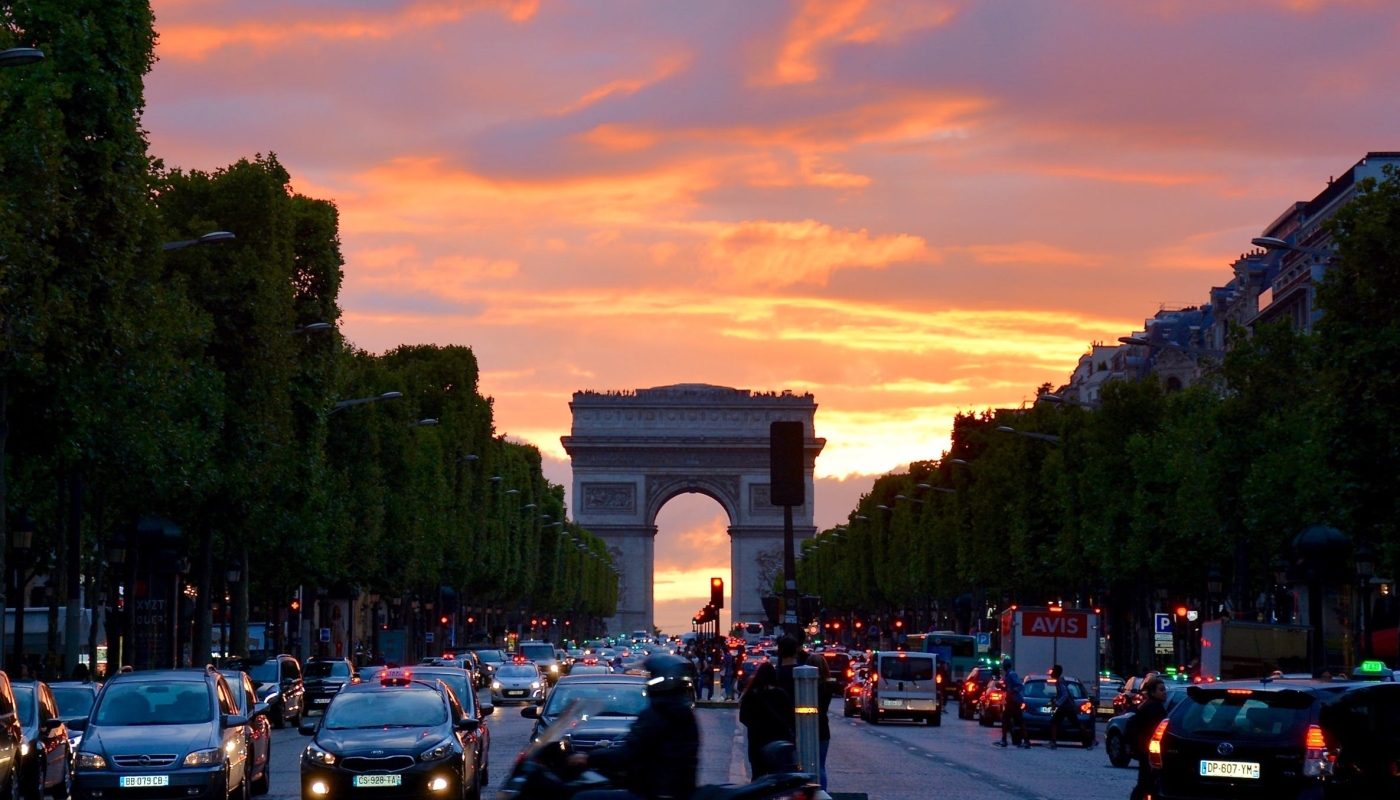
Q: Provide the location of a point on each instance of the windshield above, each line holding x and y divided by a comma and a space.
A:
613, 699
386, 709
458, 682
265, 672
328, 669
493, 656
24, 700
181, 703
908, 668
1260, 715
518, 671
537, 652
1046, 689
72, 702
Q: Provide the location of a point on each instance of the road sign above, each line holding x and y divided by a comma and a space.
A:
1165, 648
984, 642
428, 638
1164, 623
325, 634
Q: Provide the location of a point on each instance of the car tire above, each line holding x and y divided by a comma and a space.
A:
1117, 749
33, 790
262, 784
936, 720
984, 720
278, 719
847, 712
874, 717
14, 792
64, 789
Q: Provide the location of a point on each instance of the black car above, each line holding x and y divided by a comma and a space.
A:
11, 737
618, 700
1036, 709
459, 681
397, 737
278, 682
163, 734
1115, 734
545, 658
259, 731
970, 692
1364, 728
46, 755
490, 659
324, 678
1246, 739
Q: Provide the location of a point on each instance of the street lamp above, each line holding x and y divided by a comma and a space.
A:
213, 237
1044, 437
1056, 399
1275, 243
313, 327
359, 401
932, 488
423, 423
20, 56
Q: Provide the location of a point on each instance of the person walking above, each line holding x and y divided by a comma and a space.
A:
1012, 715
1141, 726
708, 675
726, 674
766, 711
823, 703
1066, 708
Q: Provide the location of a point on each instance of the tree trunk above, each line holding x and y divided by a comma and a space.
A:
58, 579
201, 638
73, 620
238, 636
5, 530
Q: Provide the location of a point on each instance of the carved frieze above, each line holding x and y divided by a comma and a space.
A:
724, 488
617, 498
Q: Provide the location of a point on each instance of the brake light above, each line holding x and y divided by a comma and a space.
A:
938, 679
1154, 747
1239, 691
855, 690
995, 697
969, 687
1086, 707
1315, 739
1318, 760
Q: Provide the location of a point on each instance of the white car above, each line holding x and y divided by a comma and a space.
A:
517, 683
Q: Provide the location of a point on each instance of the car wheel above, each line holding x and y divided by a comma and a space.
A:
34, 790
874, 717
279, 719
985, 721
263, 782
14, 782
936, 720
64, 789
848, 711
1118, 754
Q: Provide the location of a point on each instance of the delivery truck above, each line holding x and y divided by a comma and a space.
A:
1232, 649
1038, 638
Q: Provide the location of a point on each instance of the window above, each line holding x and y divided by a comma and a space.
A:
180, 703
410, 709
908, 668
1256, 716
328, 669
290, 670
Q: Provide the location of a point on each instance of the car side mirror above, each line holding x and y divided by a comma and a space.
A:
468, 724
51, 725
76, 723
234, 720
308, 727
260, 710
485, 710
530, 712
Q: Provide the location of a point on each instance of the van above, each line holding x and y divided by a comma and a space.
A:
902, 686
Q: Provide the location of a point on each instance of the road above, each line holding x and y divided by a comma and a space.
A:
955, 761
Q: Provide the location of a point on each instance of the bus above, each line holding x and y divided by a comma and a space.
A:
959, 650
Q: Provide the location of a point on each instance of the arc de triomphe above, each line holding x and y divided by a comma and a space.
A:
634, 451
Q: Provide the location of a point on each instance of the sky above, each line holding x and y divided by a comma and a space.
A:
907, 208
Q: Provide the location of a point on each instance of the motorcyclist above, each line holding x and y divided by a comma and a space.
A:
661, 753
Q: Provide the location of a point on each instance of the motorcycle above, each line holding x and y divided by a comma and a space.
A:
542, 771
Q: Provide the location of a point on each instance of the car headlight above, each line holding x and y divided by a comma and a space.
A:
317, 755
24, 748
495, 684
437, 752
534, 684
553, 667
205, 758
89, 761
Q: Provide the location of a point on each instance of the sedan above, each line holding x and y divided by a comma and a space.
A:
75, 701
1038, 711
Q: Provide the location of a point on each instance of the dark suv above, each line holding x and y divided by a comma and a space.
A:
163, 734
278, 683
548, 662
1246, 739
323, 680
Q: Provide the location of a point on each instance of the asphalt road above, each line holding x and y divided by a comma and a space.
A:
955, 761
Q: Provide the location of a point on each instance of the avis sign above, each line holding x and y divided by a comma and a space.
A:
1062, 624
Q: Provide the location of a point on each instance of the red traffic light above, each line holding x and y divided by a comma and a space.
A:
443, 620
1181, 611
717, 592
296, 605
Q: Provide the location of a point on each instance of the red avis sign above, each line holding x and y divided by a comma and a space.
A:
1064, 624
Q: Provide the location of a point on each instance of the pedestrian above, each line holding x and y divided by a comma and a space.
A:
766, 711
1140, 728
787, 662
1012, 714
80, 673
726, 674
708, 675
1066, 708
823, 703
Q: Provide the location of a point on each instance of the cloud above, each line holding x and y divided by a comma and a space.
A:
819, 24
763, 253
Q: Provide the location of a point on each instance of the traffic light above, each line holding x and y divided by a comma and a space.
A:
717, 592
1181, 611
443, 619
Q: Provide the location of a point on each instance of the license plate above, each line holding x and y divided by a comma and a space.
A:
377, 780
144, 781
1230, 769
515, 693
320, 701
892, 704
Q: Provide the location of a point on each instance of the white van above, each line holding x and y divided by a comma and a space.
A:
902, 686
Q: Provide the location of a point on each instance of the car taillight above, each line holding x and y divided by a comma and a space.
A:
1086, 707
938, 679
1154, 747
855, 690
995, 697
969, 687
1318, 760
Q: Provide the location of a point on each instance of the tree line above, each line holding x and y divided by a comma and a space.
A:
1155, 493
147, 373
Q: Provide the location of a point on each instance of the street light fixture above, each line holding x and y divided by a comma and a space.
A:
1044, 437
1275, 243
512, 491
362, 400
235, 572
1213, 582
20, 56
423, 423
932, 488
910, 499
313, 327
1057, 399
213, 237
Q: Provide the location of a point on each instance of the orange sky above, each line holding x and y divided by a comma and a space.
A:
906, 208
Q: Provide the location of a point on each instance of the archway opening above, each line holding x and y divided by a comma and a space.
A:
692, 546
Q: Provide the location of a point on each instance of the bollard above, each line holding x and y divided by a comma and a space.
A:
805, 704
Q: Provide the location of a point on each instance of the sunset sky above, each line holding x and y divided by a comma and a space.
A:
904, 208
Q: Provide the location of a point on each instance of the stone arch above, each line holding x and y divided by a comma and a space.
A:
632, 452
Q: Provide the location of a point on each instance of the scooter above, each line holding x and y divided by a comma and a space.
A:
542, 771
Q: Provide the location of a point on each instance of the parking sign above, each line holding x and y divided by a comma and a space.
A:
1164, 623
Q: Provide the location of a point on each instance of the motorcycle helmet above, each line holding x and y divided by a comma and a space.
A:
668, 675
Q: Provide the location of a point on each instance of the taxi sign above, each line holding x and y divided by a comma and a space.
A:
395, 677
1372, 666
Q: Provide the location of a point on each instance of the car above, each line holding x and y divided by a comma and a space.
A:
838, 665
1363, 726
970, 691
245, 698
11, 738
1246, 739
544, 657
397, 737
459, 682
1109, 687
617, 700
324, 679
278, 682
1115, 734
490, 660
46, 755
163, 733
517, 682
75, 699
853, 692
590, 669
1129, 696
991, 703
902, 686
1037, 695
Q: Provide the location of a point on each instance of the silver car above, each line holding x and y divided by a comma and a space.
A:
517, 683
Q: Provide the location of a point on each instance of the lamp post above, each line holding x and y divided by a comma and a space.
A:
1365, 570
116, 557
213, 237
22, 539
1213, 587
232, 575
359, 401
20, 56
